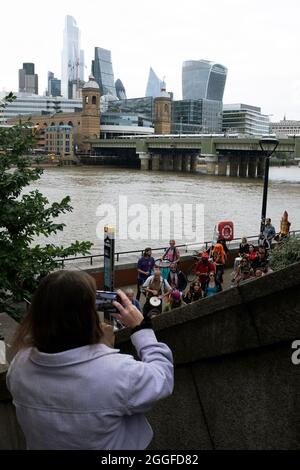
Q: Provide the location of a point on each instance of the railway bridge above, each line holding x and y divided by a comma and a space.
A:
223, 155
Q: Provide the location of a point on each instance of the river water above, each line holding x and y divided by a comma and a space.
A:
223, 198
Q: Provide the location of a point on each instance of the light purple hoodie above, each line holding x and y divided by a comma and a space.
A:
91, 397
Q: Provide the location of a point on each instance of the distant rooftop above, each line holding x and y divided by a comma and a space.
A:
241, 107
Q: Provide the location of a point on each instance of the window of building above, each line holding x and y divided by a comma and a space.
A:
94, 100
86, 100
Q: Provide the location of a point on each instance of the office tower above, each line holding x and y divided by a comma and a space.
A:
72, 58
102, 70
38, 105
120, 90
28, 80
54, 85
154, 84
202, 79
196, 117
242, 118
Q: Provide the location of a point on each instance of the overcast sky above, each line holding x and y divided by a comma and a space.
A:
257, 40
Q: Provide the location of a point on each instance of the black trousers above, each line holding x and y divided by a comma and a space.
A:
140, 282
219, 272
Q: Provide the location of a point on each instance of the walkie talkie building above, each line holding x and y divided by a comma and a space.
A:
202, 79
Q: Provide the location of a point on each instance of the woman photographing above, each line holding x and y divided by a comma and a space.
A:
70, 387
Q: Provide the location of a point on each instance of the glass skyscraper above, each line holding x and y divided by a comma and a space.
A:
121, 93
54, 85
28, 80
154, 84
72, 57
102, 70
196, 116
202, 79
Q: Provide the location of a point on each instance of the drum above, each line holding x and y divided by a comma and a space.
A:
164, 265
155, 301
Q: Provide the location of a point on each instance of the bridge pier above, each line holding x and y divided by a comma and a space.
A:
186, 163
222, 166
177, 162
167, 162
144, 160
260, 167
155, 162
233, 166
211, 164
194, 163
252, 163
243, 165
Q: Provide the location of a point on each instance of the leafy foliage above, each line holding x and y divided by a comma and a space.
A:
285, 253
23, 217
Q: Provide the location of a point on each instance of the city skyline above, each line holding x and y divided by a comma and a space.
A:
256, 41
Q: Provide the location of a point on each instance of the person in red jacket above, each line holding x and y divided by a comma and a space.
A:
203, 268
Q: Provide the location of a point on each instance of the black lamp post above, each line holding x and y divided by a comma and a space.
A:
268, 146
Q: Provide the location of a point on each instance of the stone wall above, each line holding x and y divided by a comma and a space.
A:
235, 384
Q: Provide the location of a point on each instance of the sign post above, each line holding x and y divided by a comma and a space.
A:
109, 258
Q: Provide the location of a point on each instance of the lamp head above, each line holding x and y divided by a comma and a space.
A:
268, 145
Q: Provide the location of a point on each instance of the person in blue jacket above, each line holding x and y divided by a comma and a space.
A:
71, 388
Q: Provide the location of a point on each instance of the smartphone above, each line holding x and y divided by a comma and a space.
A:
104, 300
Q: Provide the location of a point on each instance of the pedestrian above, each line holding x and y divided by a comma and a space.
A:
177, 278
194, 293
130, 294
219, 257
244, 247
268, 234
144, 268
175, 301
213, 286
155, 286
284, 226
172, 253
72, 390
203, 267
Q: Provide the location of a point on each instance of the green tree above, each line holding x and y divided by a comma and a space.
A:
23, 217
285, 253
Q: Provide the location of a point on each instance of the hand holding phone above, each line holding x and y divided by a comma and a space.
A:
127, 314
104, 301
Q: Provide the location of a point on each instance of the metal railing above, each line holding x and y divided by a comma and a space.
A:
254, 238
